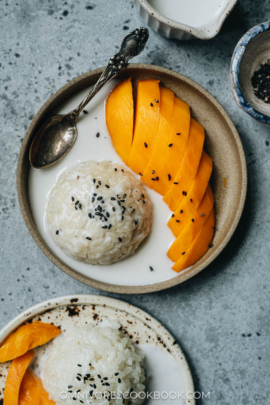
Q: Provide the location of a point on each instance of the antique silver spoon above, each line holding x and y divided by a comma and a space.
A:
58, 134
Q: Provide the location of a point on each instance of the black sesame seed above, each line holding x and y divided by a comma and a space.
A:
93, 199
175, 182
99, 182
151, 104
123, 210
170, 145
113, 209
107, 214
169, 177
119, 380
122, 200
112, 198
57, 232
80, 206
109, 227
153, 172
156, 100
78, 378
122, 217
94, 180
172, 215
99, 198
181, 212
183, 253
116, 374
211, 245
140, 174
202, 215
135, 222
107, 186
105, 227
115, 169
153, 179
184, 193
145, 144
79, 365
191, 200
120, 239
151, 268
177, 221
192, 220
77, 202
88, 238
178, 133
157, 178
72, 198
97, 135
124, 195
85, 112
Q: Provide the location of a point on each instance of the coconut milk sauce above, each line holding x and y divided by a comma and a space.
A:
134, 270
192, 12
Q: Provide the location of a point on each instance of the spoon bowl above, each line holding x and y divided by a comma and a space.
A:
53, 141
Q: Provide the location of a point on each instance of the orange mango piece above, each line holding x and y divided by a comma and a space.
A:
189, 167
189, 205
185, 238
199, 247
146, 124
32, 391
15, 376
119, 118
25, 338
175, 149
152, 169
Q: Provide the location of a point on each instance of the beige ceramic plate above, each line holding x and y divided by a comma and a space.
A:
157, 343
222, 143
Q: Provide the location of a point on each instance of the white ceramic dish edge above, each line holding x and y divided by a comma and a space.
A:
105, 301
173, 29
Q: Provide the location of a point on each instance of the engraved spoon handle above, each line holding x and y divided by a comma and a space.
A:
133, 44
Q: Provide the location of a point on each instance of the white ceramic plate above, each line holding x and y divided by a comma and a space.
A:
166, 366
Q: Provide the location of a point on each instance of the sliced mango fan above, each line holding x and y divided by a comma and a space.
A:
164, 145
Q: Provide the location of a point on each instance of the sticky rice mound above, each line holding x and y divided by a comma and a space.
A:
98, 212
94, 365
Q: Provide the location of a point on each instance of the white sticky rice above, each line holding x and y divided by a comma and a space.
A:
98, 213
91, 362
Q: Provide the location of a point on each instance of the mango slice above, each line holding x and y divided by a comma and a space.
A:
199, 247
32, 391
15, 376
185, 238
25, 338
175, 149
192, 199
119, 118
189, 167
146, 124
152, 170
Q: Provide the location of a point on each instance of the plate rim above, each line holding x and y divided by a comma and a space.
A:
115, 288
93, 299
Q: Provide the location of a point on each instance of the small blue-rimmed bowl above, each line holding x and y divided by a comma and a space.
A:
252, 50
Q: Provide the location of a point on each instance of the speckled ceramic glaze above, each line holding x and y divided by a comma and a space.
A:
76, 310
173, 29
252, 50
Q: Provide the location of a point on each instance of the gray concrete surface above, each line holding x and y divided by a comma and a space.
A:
220, 317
